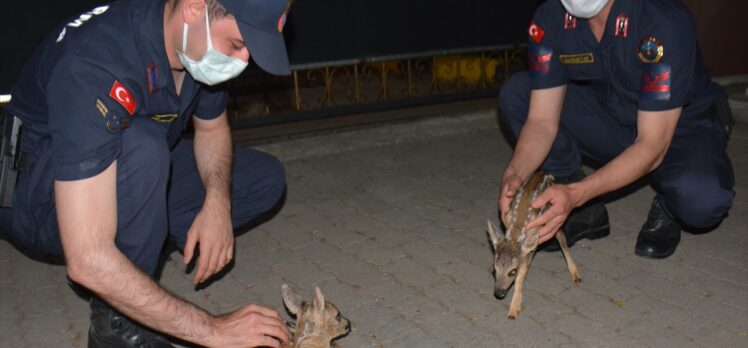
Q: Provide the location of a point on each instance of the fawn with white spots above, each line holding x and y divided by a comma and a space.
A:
514, 250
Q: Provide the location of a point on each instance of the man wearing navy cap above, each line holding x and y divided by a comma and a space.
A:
622, 83
105, 178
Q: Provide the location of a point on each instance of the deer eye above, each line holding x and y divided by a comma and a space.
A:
513, 272
337, 317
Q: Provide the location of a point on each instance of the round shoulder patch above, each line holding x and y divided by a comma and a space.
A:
651, 50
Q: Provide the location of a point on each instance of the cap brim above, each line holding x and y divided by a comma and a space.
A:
267, 49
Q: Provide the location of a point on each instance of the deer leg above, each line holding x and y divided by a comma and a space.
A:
516, 306
561, 237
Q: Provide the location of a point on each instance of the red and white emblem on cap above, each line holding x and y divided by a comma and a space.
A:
535, 32
282, 19
281, 23
123, 97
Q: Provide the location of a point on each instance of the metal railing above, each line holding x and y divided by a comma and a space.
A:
330, 88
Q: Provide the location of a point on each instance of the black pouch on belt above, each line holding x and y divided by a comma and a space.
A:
11, 127
724, 113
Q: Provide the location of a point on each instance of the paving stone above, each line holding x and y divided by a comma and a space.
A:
249, 270
339, 235
324, 254
374, 316
427, 253
54, 323
372, 252
696, 326
302, 272
294, 237
450, 327
657, 334
406, 301
462, 300
478, 254
693, 302
41, 301
414, 274
390, 222
585, 332
358, 274
417, 339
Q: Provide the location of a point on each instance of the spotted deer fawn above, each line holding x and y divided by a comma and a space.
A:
317, 323
514, 250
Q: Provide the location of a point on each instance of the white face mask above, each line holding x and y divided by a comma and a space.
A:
215, 67
584, 8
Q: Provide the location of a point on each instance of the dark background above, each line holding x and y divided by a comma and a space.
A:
329, 30
316, 31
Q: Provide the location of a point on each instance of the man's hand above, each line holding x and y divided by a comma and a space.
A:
509, 185
562, 201
213, 230
250, 326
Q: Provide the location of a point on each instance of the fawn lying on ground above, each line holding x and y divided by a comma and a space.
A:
513, 251
317, 323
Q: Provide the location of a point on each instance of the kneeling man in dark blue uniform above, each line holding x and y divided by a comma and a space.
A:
622, 83
105, 178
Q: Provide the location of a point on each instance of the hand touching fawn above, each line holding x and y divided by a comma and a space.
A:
513, 251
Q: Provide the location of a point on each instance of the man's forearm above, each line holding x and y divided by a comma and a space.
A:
539, 131
87, 216
115, 279
532, 148
214, 154
655, 133
633, 163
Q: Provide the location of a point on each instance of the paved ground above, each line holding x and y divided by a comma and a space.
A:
390, 222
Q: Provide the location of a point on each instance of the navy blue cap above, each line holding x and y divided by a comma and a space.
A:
261, 25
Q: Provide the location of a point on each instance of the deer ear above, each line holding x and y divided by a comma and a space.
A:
291, 299
530, 241
319, 300
495, 234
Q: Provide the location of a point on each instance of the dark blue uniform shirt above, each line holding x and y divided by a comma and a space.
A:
93, 76
648, 58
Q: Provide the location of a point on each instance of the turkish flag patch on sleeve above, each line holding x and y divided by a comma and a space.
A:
655, 84
536, 33
123, 97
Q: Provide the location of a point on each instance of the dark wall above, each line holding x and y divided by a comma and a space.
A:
24, 23
325, 30
723, 36
317, 30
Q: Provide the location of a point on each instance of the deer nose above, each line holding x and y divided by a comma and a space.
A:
500, 293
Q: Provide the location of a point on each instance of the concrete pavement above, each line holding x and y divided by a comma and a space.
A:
390, 222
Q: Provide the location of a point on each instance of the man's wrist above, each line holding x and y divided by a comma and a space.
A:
212, 331
511, 170
217, 198
579, 193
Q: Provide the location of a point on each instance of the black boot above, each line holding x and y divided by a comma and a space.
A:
589, 221
660, 235
111, 329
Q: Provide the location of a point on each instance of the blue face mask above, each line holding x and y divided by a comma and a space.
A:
215, 67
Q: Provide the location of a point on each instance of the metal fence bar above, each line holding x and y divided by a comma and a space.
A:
371, 81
